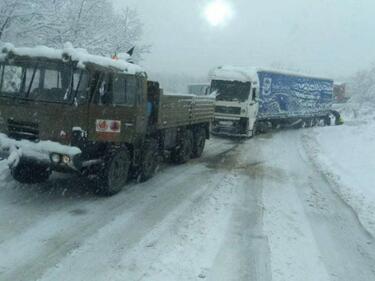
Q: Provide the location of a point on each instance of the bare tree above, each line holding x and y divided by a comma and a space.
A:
362, 86
126, 32
89, 24
15, 15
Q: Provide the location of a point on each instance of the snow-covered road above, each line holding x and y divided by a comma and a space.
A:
255, 210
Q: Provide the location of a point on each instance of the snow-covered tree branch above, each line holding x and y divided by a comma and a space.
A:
90, 24
15, 15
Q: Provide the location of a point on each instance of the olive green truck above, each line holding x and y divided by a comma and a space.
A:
69, 111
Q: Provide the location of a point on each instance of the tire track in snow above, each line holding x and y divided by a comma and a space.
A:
61, 242
310, 146
336, 225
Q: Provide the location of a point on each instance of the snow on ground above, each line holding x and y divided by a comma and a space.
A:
312, 232
248, 210
295, 252
346, 156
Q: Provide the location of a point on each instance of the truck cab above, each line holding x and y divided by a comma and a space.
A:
66, 110
69, 111
236, 104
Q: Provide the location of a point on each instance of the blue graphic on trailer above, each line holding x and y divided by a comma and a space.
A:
289, 95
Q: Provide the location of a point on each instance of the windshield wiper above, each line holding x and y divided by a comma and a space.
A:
78, 84
2, 67
69, 89
31, 82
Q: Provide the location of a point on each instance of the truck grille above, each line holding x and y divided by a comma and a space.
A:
23, 130
228, 110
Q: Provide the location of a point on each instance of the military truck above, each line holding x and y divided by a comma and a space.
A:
69, 111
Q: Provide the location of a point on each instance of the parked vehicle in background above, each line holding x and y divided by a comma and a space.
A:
253, 99
69, 111
199, 89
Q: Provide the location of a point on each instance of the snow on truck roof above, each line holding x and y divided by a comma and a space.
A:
250, 74
70, 53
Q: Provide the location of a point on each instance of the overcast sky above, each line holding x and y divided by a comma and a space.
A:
324, 37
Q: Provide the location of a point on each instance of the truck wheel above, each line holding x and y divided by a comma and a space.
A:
327, 121
150, 161
30, 173
310, 123
199, 142
255, 130
184, 152
114, 175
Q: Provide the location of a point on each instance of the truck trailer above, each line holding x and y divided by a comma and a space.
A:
69, 111
251, 99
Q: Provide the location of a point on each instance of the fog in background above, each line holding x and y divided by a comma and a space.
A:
334, 38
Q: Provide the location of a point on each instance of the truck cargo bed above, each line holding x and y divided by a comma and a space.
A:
183, 110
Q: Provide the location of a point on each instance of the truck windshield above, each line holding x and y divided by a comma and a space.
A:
50, 82
231, 90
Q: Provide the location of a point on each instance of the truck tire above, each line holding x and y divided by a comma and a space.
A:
114, 175
150, 161
199, 142
183, 153
28, 173
327, 121
309, 123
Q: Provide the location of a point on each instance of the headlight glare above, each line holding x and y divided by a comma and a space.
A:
56, 158
66, 159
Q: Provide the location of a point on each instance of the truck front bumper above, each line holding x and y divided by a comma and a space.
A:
233, 127
50, 154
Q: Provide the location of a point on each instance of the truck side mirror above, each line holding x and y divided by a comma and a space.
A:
254, 95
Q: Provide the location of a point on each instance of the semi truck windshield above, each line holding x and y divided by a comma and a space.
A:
231, 90
42, 82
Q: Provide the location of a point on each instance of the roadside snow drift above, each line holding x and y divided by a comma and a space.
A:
346, 155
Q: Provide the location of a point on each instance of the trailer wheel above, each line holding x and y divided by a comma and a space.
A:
310, 123
199, 142
327, 121
28, 173
184, 152
150, 161
114, 174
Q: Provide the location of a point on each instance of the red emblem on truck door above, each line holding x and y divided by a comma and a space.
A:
108, 126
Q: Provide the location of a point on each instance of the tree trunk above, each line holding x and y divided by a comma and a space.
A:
2, 28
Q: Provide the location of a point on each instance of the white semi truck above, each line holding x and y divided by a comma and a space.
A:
250, 99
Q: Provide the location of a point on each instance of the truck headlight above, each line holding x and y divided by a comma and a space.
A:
66, 159
56, 158
243, 111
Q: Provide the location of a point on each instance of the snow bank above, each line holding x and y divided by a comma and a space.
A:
346, 155
70, 53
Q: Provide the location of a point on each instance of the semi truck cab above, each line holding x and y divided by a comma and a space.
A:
250, 99
237, 103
